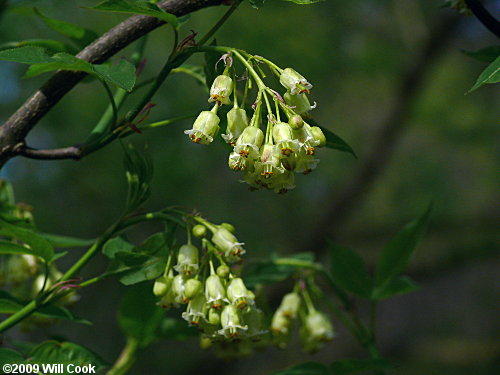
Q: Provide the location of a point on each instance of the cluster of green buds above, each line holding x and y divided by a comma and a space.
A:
315, 327
217, 300
15, 269
267, 158
24, 277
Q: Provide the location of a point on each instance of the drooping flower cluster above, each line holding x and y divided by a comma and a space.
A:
267, 159
217, 300
24, 276
315, 327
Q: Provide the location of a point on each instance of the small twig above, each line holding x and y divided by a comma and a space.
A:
16, 128
71, 152
484, 16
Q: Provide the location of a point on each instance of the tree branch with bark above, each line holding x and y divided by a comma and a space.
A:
14, 131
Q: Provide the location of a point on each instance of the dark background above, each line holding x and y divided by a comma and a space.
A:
390, 78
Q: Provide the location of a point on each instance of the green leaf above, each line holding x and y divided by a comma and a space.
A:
67, 353
26, 55
490, 75
354, 366
139, 172
50, 45
39, 246
398, 286
59, 61
333, 141
304, 2
268, 272
487, 55
257, 3
177, 329
136, 7
139, 316
139, 267
116, 245
11, 305
145, 262
66, 241
7, 200
349, 271
398, 252
122, 74
10, 356
157, 243
307, 368
7, 247
80, 35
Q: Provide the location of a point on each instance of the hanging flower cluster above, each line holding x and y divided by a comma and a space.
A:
315, 327
25, 277
217, 301
267, 158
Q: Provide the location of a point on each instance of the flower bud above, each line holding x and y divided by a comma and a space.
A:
20, 268
290, 305
199, 231
249, 142
196, 310
205, 128
283, 182
318, 135
187, 260
238, 294
296, 122
223, 271
305, 163
227, 243
193, 287
238, 163
221, 89
215, 292
214, 317
319, 327
237, 121
299, 103
280, 323
205, 343
229, 227
179, 286
294, 82
306, 139
269, 164
169, 298
162, 285
231, 322
283, 138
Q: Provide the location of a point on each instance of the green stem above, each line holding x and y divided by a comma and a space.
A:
96, 141
109, 117
114, 108
209, 225
20, 315
318, 268
221, 22
91, 252
127, 358
175, 60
